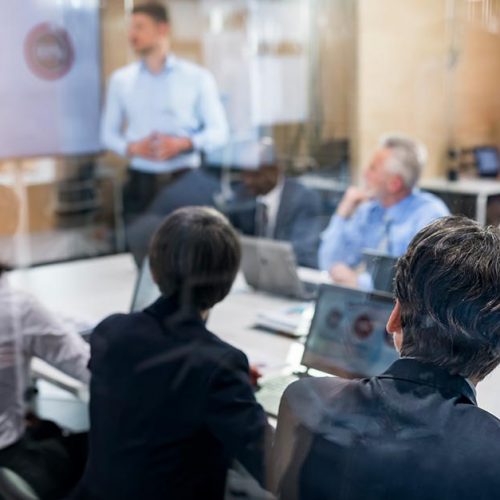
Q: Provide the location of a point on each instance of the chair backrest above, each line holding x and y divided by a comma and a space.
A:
14, 487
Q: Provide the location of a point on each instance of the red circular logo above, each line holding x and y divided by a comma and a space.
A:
49, 51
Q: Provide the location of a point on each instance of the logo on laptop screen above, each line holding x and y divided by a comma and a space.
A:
49, 51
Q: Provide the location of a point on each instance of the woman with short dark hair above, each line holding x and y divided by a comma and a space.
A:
171, 403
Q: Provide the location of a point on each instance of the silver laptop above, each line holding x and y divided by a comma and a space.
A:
146, 290
382, 269
347, 337
270, 266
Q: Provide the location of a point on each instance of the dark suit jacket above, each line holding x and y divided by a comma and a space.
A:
195, 187
298, 220
413, 433
171, 405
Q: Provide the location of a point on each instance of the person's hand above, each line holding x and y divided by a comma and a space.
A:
167, 146
142, 148
344, 275
352, 198
255, 374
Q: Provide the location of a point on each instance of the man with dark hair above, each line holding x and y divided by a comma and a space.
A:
270, 205
161, 112
415, 432
170, 403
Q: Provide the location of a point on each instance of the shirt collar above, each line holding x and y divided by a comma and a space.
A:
395, 211
273, 195
422, 373
170, 307
170, 62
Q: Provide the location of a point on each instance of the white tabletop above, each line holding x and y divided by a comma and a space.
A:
94, 288
472, 186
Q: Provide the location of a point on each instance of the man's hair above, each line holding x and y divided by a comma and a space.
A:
194, 257
448, 285
156, 11
407, 157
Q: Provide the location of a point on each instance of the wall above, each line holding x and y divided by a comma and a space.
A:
409, 80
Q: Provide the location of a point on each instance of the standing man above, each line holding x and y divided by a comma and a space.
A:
384, 215
161, 111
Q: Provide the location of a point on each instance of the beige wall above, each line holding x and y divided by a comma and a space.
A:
405, 82
401, 75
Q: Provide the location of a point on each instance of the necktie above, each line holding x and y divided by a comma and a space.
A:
385, 242
261, 220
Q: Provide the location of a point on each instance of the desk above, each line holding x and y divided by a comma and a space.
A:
480, 189
94, 288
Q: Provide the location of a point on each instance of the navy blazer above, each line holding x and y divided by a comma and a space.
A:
298, 220
171, 405
413, 433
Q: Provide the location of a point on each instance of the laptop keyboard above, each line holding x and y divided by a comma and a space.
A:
269, 395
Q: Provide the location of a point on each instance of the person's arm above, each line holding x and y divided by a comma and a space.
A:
214, 131
342, 241
112, 121
234, 416
47, 338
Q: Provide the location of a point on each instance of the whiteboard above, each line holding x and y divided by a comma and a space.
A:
50, 84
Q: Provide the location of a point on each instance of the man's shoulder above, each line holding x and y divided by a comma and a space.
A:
125, 72
190, 68
423, 199
296, 189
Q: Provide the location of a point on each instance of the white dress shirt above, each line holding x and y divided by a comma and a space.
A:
182, 100
272, 202
27, 329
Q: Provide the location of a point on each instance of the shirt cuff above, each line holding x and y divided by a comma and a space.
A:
365, 281
198, 142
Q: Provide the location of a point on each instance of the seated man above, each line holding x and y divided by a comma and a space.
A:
383, 216
270, 205
171, 404
415, 432
50, 463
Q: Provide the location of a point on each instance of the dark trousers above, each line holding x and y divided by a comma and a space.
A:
141, 189
50, 465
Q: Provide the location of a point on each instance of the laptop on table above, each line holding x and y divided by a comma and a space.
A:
271, 266
347, 337
382, 269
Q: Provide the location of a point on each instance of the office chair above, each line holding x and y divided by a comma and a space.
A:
14, 487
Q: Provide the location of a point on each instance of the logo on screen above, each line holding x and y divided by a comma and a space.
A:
49, 51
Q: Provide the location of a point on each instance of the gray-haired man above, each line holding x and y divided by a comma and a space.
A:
383, 215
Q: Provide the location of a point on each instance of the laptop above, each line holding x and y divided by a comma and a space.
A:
146, 290
347, 337
382, 269
270, 266
487, 161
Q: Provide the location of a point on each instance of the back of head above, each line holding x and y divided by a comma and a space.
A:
156, 11
194, 257
407, 158
448, 285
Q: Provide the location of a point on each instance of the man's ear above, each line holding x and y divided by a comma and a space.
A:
394, 326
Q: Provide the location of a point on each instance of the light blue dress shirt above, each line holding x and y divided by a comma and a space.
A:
374, 227
182, 100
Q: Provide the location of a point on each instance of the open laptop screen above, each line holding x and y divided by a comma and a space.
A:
146, 290
348, 335
382, 269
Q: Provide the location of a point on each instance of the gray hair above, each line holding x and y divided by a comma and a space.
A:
407, 158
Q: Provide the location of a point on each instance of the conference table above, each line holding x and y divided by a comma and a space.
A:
87, 291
